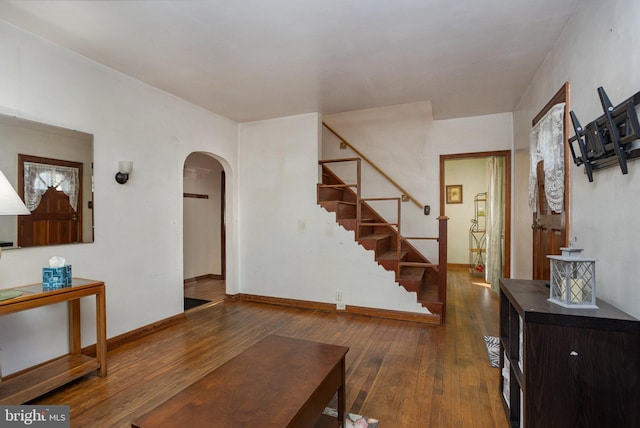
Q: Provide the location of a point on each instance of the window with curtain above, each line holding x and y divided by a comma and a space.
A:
546, 144
38, 178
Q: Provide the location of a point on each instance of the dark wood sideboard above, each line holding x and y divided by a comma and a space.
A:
566, 367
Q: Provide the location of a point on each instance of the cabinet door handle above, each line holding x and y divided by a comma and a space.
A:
573, 353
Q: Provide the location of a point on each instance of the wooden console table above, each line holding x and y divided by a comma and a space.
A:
31, 383
278, 382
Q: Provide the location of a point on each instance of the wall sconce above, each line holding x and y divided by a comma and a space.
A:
124, 169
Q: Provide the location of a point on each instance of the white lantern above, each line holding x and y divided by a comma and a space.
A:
573, 279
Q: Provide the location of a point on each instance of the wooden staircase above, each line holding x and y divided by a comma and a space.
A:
392, 251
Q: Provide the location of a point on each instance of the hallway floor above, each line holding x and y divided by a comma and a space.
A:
207, 289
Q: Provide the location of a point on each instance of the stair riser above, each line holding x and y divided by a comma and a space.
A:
331, 206
378, 246
424, 283
330, 194
410, 285
390, 265
346, 211
412, 278
342, 210
348, 223
366, 230
349, 197
433, 307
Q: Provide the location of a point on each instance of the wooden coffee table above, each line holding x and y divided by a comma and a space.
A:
278, 382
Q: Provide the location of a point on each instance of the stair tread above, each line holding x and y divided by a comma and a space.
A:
417, 275
337, 201
422, 265
412, 274
376, 236
392, 255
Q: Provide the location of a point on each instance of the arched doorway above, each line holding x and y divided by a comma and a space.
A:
204, 236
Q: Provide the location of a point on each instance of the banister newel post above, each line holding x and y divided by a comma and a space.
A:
442, 262
358, 196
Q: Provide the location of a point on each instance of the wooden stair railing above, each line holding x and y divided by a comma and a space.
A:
343, 185
392, 251
406, 196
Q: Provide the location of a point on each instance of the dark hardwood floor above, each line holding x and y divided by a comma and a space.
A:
405, 374
207, 289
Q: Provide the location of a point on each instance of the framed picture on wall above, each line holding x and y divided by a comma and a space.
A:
454, 194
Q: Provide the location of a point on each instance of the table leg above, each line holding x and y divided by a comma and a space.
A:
341, 393
101, 332
74, 326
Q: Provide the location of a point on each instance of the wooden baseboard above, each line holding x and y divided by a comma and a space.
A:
329, 307
203, 277
394, 315
146, 330
124, 338
458, 266
232, 297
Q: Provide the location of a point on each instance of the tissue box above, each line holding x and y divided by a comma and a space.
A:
57, 277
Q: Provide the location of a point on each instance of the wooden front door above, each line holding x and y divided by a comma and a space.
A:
548, 232
550, 227
54, 221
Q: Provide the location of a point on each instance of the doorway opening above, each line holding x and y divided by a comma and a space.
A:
479, 212
204, 234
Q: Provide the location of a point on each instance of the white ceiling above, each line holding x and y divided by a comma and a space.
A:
258, 59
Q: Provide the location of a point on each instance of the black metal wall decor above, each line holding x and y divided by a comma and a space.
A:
613, 138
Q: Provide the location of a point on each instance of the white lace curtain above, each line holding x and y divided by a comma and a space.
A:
546, 143
495, 222
39, 177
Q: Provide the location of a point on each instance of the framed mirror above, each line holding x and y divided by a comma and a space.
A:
51, 168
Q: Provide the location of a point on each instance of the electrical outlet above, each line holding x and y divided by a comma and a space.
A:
340, 306
338, 296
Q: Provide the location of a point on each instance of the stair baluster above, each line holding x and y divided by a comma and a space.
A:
412, 270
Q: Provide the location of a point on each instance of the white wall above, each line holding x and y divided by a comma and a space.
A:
289, 246
492, 132
406, 143
292, 248
599, 47
397, 140
472, 175
138, 239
